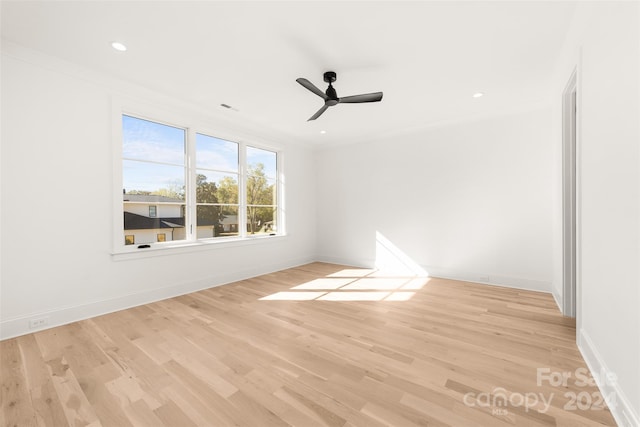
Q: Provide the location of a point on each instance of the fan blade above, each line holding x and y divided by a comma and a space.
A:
306, 83
367, 97
319, 113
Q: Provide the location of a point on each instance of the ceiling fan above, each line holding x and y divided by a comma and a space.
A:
331, 97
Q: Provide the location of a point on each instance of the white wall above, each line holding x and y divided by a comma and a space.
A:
56, 257
470, 200
604, 46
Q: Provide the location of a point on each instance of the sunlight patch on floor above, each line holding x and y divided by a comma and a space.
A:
354, 296
326, 283
352, 272
416, 284
371, 287
376, 284
395, 278
400, 296
293, 296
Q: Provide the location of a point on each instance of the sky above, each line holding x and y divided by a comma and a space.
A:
154, 156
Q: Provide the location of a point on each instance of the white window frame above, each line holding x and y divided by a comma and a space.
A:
192, 126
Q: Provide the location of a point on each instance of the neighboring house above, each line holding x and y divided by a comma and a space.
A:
230, 223
149, 219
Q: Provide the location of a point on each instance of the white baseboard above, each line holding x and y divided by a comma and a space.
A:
465, 276
17, 326
490, 279
352, 262
616, 399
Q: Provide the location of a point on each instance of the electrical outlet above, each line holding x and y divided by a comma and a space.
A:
38, 322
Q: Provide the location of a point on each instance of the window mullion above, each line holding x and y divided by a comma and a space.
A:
279, 196
242, 190
190, 193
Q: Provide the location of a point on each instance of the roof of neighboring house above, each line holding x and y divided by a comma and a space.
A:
149, 198
138, 222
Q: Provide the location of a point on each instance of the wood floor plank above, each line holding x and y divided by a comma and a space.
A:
15, 399
435, 352
45, 401
77, 408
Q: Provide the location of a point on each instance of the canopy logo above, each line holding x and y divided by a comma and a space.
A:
500, 399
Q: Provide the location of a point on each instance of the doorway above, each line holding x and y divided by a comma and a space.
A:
569, 195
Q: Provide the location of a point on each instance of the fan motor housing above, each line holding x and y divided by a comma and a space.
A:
332, 95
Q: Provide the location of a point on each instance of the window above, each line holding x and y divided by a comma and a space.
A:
153, 172
183, 185
217, 198
261, 191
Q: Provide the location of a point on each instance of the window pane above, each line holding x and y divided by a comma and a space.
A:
270, 193
260, 190
152, 179
215, 187
214, 153
261, 162
261, 220
228, 221
216, 221
155, 142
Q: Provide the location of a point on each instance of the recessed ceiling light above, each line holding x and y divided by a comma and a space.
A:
478, 95
323, 132
118, 46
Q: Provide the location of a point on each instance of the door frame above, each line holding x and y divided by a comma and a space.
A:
570, 138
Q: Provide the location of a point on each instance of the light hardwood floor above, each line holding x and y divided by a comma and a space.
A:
300, 347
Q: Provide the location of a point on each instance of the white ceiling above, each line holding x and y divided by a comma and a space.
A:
427, 57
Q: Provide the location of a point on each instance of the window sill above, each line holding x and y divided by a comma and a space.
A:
173, 248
